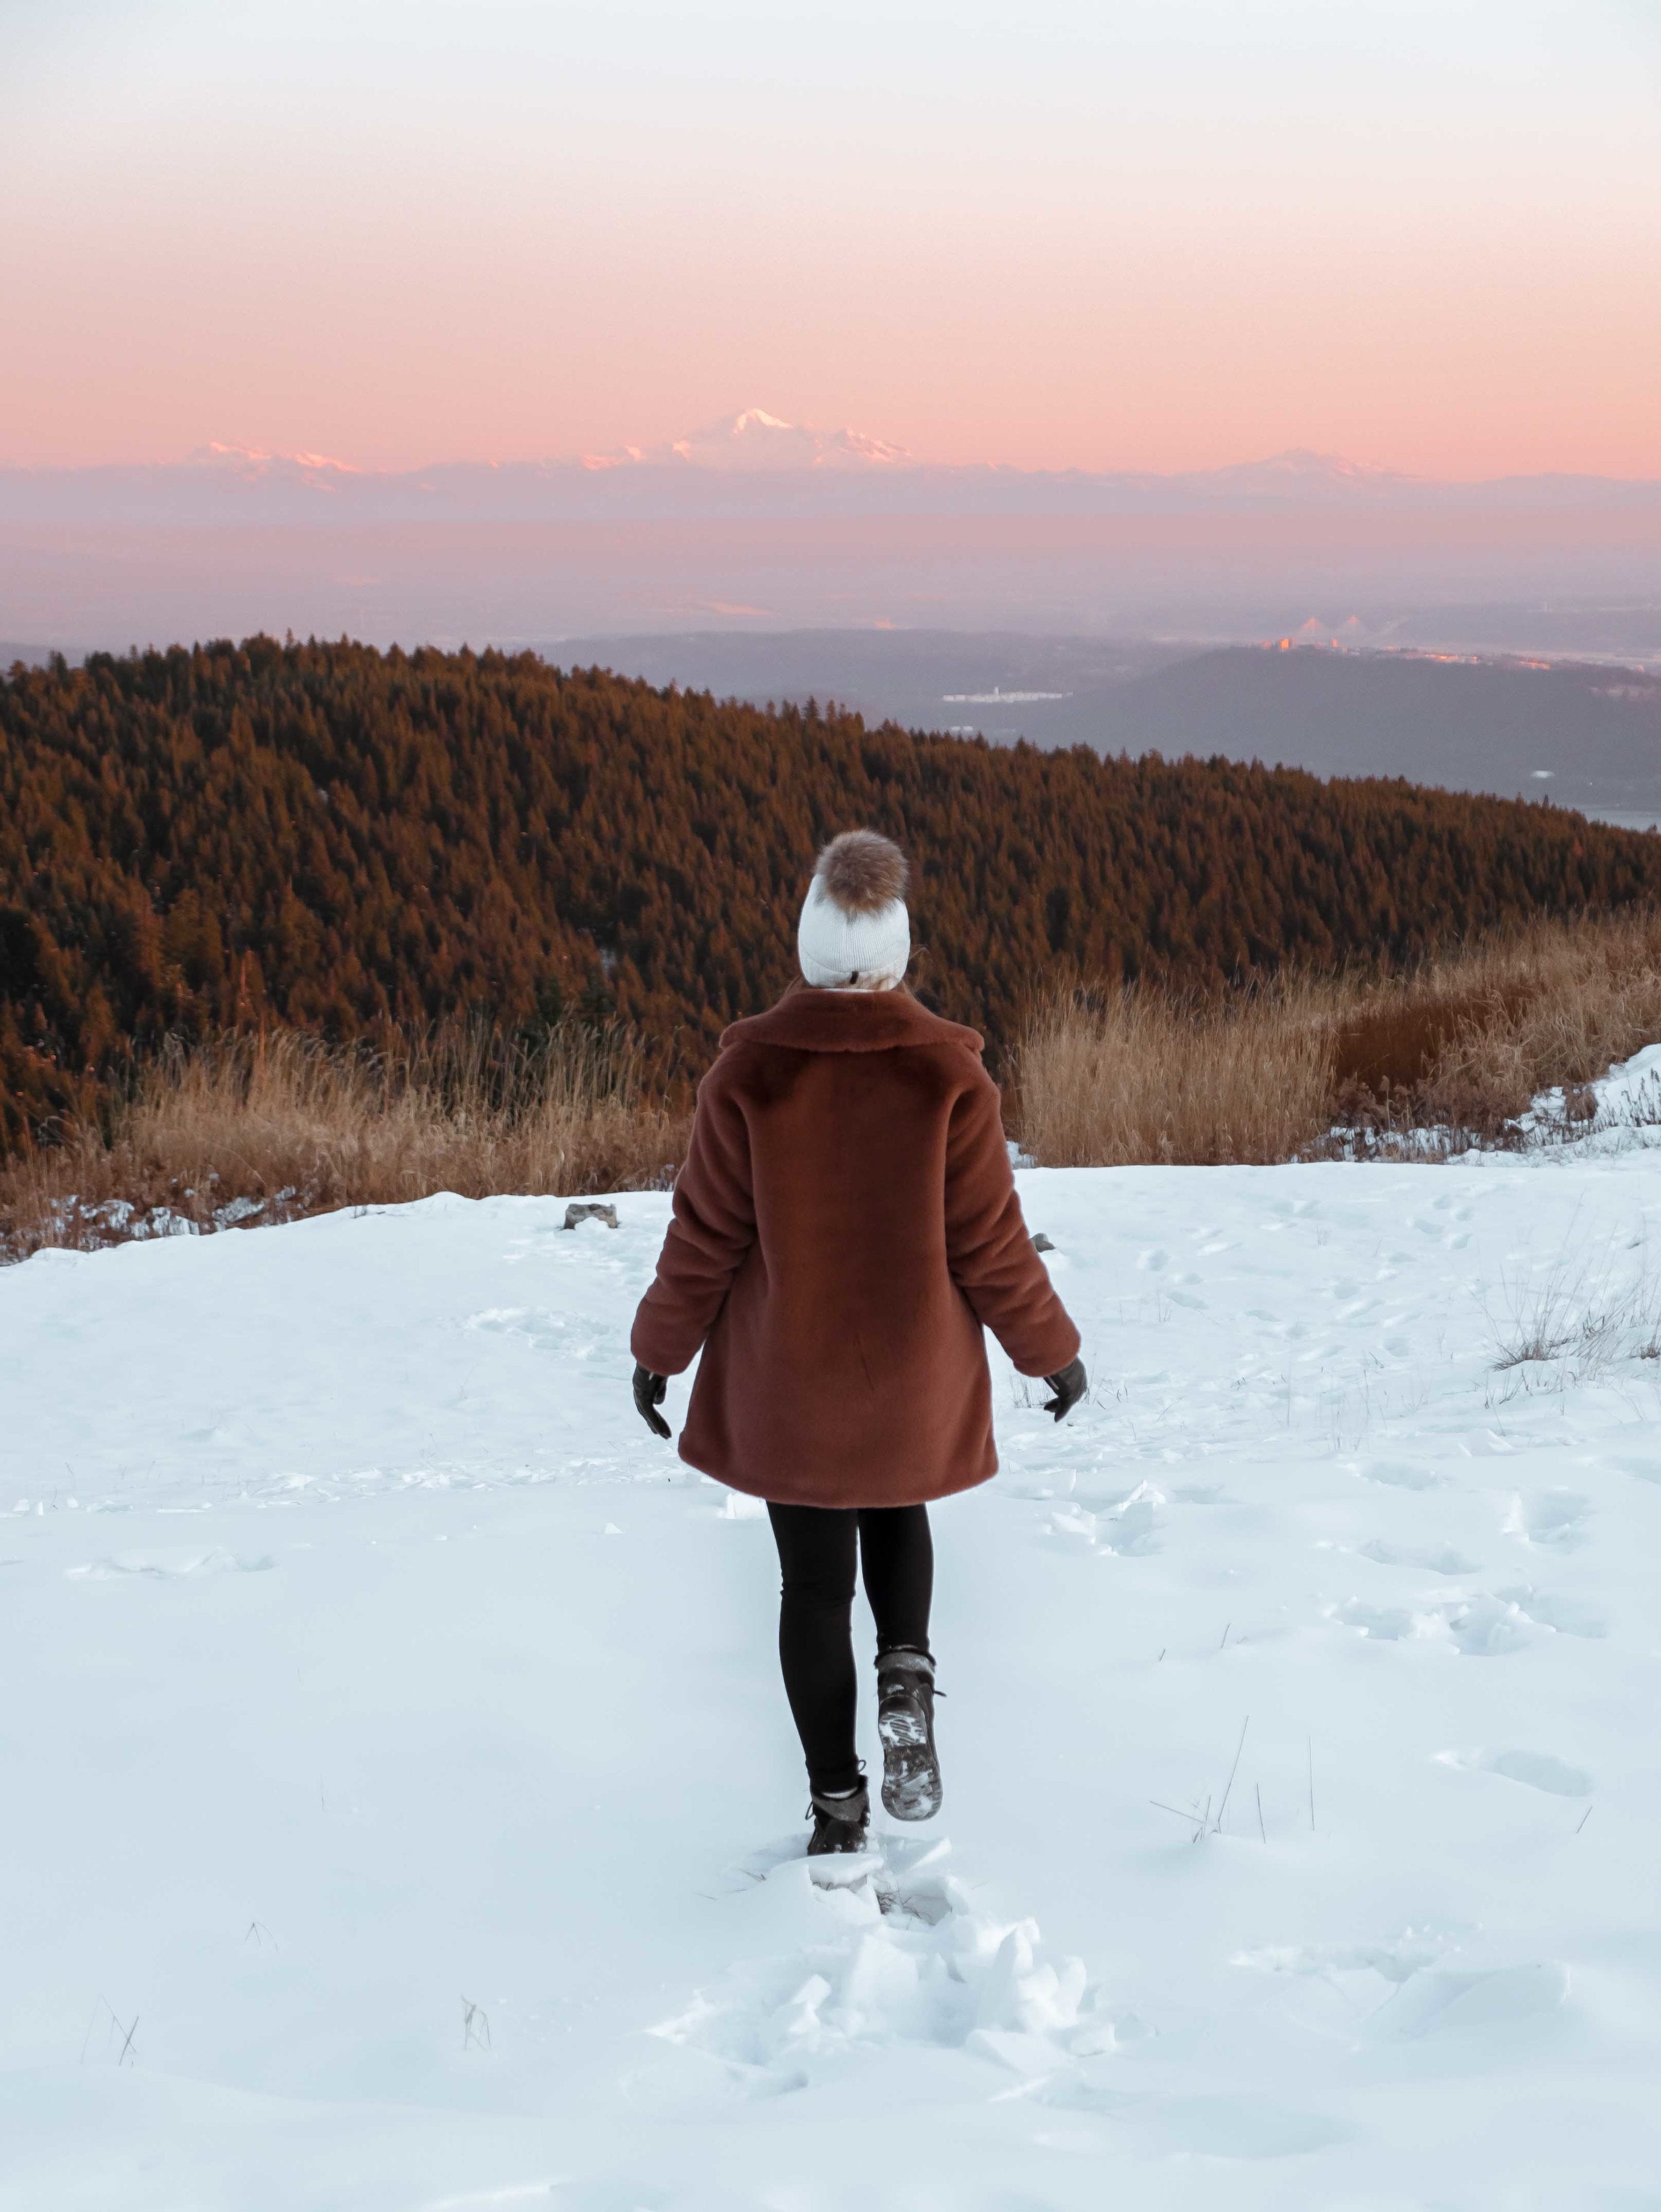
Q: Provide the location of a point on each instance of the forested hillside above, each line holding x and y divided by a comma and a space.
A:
351, 841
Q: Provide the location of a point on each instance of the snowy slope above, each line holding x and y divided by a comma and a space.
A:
365, 1659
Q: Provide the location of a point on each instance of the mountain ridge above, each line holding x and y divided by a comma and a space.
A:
751, 464
363, 844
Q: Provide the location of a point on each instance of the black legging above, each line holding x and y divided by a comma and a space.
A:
817, 1546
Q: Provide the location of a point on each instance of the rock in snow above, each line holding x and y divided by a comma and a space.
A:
576, 1214
381, 1834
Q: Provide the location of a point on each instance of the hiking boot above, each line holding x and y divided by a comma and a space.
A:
905, 1722
839, 1823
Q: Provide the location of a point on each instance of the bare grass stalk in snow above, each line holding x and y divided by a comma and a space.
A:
1577, 1321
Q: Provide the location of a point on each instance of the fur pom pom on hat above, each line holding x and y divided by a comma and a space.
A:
854, 931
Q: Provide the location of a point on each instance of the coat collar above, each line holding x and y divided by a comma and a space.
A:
807, 1020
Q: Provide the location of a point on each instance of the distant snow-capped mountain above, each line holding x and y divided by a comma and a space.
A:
757, 439
749, 466
251, 464
1297, 473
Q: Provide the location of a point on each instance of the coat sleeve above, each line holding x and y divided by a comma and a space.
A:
712, 1229
992, 1258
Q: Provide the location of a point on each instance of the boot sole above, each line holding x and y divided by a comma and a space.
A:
911, 1775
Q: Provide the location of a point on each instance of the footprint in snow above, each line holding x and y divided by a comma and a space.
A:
1127, 1525
1436, 1559
541, 1330
1536, 1770
1385, 1624
1478, 1627
1410, 1991
1569, 1616
1488, 1627
1556, 1519
1399, 1475
1333, 1989
1459, 1238
1502, 2005
168, 1566
1388, 1964
1647, 1469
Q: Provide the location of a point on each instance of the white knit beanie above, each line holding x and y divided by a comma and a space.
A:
854, 931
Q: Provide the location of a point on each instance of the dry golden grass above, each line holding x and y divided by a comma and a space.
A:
1462, 1044
250, 1130
1598, 999
1127, 1077
270, 1129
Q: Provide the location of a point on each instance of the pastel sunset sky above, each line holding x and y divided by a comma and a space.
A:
1132, 233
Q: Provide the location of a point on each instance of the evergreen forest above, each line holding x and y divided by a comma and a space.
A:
364, 844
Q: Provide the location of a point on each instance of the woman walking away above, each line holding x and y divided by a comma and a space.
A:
845, 1226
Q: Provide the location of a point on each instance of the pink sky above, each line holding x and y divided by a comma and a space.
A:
1124, 235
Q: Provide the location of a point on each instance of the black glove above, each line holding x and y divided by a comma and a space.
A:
650, 1391
1069, 1387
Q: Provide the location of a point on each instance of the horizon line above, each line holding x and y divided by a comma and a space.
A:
215, 453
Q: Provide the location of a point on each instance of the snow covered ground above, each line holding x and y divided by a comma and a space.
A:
401, 1810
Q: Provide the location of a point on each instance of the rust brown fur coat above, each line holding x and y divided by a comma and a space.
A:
845, 1224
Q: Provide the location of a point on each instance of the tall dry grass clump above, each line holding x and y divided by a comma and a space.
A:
1551, 1007
1455, 1050
272, 1127
1129, 1077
